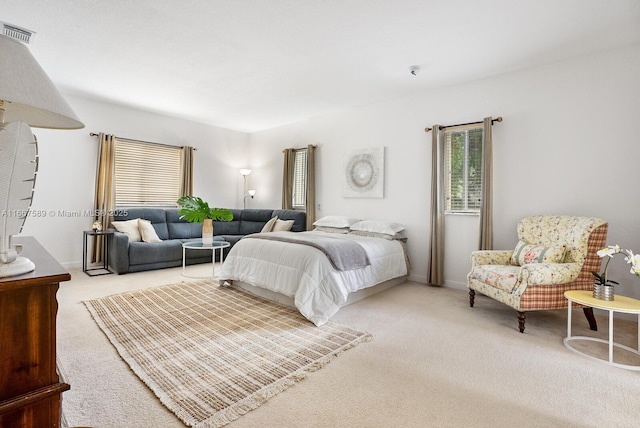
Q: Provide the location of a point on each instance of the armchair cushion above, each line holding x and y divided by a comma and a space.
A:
527, 253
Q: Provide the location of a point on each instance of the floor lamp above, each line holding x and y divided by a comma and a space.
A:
28, 98
246, 193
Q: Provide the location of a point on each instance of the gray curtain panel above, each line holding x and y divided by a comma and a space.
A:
310, 207
105, 191
485, 241
435, 272
287, 179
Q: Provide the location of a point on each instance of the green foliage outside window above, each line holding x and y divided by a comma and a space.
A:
463, 170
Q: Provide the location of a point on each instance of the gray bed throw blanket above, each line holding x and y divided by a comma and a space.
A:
343, 254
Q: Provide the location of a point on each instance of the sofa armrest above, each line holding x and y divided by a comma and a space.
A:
549, 273
119, 251
491, 257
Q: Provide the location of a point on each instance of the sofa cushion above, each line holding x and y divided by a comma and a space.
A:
185, 230
147, 231
179, 228
282, 226
268, 227
231, 239
253, 220
156, 216
299, 218
228, 227
129, 228
154, 252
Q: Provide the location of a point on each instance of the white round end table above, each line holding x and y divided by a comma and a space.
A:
620, 304
198, 245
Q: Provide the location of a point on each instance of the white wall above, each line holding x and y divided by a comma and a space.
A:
66, 177
568, 145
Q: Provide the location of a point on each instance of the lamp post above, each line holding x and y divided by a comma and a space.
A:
246, 194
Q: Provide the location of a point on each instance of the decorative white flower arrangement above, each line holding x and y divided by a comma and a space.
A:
610, 251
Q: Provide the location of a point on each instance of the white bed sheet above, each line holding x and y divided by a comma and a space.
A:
306, 275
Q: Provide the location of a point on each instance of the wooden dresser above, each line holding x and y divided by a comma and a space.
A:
30, 390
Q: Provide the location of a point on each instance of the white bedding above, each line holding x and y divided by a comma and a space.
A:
305, 274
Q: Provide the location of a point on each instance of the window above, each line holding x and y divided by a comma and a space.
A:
463, 169
146, 173
300, 179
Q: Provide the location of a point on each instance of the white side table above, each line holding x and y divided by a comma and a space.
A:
198, 245
620, 304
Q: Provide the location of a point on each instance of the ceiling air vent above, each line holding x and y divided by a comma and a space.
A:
21, 34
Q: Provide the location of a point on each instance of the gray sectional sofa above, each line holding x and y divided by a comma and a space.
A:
125, 256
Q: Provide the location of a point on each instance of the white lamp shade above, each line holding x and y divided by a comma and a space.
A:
27, 94
252, 192
245, 171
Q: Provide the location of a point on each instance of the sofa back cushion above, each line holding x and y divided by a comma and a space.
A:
180, 228
155, 215
228, 227
253, 220
299, 218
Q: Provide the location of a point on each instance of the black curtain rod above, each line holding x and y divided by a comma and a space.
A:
498, 119
93, 134
315, 146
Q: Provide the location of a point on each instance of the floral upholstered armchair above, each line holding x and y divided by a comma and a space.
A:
554, 254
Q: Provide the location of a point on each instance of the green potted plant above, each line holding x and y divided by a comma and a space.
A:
195, 210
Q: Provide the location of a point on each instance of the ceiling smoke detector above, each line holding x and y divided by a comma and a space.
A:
21, 34
414, 70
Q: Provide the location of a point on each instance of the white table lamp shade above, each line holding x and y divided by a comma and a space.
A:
27, 94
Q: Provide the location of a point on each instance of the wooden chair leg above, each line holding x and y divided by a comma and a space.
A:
588, 312
472, 296
521, 318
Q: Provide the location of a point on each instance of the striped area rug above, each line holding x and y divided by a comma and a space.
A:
210, 353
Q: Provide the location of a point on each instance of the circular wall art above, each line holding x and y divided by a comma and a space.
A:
364, 172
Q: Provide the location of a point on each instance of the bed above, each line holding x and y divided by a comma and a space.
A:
290, 268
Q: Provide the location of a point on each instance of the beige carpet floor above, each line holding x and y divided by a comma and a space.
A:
434, 362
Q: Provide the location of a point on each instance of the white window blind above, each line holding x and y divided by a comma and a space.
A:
463, 169
300, 179
146, 173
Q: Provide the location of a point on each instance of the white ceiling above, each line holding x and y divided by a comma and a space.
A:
255, 64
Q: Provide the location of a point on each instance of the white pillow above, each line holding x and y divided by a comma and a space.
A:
378, 226
332, 229
130, 228
398, 236
335, 221
268, 227
282, 225
147, 232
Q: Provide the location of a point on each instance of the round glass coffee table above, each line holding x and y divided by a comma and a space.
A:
198, 245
